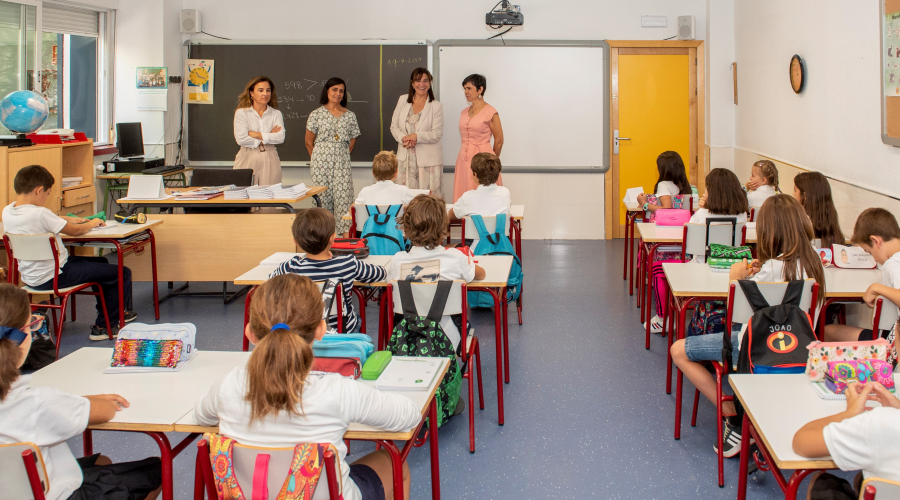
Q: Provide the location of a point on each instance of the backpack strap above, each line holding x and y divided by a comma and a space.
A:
479, 226
498, 229
754, 296
793, 293
440, 300
407, 302
382, 218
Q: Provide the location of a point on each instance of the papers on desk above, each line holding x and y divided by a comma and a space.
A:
262, 192
408, 374
279, 258
205, 194
822, 391
236, 194
289, 193
630, 199
71, 181
109, 224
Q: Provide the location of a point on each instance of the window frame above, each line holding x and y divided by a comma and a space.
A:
106, 46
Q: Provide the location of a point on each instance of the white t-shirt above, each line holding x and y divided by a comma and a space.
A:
772, 270
46, 417
31, 219
667, 188
453, 265
867, 442
330, 403
386, 193
483, 200
761, 194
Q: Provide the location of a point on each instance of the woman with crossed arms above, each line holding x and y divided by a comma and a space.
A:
258, 127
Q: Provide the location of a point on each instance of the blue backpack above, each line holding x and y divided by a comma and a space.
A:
496, 244
344, 345
381, 231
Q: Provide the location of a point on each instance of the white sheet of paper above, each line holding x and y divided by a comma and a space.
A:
631, 194
146, 187
151, 100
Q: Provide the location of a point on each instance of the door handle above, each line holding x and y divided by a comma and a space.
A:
616, 140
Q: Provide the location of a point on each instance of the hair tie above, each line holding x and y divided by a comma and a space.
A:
279, 326
13, 334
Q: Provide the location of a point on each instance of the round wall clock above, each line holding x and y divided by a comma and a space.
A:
798, 74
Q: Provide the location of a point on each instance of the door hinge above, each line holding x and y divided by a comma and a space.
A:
696, 92
696, 159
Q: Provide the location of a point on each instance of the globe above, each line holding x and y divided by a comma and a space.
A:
23, 111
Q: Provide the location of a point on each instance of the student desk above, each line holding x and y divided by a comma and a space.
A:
426, 403
496, 268
631, 215
652, 237
220, 202
118, 181
773, 425
691, 282
124, 238
158, 400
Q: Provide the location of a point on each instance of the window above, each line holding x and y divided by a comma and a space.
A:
72, 48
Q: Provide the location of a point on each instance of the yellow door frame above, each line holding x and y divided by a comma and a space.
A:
697, 163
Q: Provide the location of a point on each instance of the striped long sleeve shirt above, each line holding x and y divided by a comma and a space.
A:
344, 268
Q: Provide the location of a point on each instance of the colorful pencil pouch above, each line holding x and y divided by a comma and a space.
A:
821, 354
146, 353
842, 373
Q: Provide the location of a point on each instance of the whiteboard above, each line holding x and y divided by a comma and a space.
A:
551, 100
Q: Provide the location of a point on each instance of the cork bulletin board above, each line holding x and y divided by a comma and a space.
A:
890, 72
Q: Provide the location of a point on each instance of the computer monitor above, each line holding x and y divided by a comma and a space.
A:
129, 139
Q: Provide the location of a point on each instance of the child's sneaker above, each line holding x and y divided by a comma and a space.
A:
731, 439
130, 316
98, 333
655, 324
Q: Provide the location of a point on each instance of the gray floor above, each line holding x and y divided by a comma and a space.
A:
586, 411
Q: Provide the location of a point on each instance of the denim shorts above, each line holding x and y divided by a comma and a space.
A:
709, 347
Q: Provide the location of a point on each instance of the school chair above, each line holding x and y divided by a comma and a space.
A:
457, 303
337, 308
490, 223
43, 247
884, 315
24, 473
739, 313
753, 211
359, 215
262, 472
882, 489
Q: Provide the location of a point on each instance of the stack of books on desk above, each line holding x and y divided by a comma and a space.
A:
289, 193
205, 194
262, 192
236, 194
71, 181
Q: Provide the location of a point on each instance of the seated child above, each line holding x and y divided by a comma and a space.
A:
723, 198
859, 438
274, 401
876, 232
425, 223
783, 233
763, 183
384, 192
313, 231
48, 417
813, 191
27, 215
488, 198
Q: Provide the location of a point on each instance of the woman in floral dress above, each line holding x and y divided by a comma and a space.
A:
331, 132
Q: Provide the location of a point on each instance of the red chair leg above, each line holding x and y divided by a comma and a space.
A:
694, 413
62, 323
34, 479
74, 308
471, 405
719, 440
477, 348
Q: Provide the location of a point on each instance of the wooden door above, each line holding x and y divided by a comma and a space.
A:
47, 157
655, 104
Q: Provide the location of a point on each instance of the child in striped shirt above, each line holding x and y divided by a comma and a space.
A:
313, 231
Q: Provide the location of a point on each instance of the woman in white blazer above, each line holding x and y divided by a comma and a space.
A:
418, 125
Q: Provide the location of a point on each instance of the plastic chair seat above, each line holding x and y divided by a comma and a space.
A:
50, 292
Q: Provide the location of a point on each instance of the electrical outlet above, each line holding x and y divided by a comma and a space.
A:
174, 79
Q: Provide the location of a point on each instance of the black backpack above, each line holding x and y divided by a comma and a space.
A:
423, 336
776, 337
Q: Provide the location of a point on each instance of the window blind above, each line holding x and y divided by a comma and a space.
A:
57, 18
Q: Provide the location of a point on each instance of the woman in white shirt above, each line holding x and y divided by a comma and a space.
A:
275, 401
258, 126
418, 125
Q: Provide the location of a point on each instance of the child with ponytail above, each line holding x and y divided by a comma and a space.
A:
276, 402
763, 183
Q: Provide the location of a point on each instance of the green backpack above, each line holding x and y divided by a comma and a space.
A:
418, 336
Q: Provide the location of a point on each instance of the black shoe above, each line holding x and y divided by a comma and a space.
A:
98, 333
130, 316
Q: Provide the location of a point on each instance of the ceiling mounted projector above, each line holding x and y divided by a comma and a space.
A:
505, 15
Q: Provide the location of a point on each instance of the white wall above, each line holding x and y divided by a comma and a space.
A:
549, 199
720, 89
834, 125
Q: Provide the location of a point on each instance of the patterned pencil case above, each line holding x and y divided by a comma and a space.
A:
842, 373
146, 353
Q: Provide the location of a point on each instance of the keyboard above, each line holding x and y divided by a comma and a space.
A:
165, 169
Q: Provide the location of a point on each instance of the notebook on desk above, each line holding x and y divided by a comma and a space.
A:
408, 374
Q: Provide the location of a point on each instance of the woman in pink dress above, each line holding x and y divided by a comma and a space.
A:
477, 124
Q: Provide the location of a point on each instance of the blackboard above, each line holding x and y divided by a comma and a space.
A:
376, 76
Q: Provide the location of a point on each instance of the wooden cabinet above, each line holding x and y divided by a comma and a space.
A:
62, 160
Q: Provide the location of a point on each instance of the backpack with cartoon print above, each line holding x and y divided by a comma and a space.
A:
423, 336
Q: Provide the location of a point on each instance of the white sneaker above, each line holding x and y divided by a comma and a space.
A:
656, 324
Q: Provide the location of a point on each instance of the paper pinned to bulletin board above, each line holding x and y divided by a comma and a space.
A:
200, 80
890, 72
